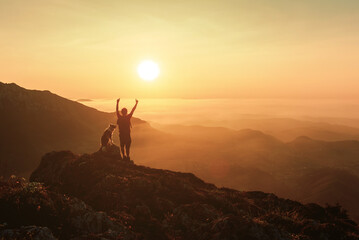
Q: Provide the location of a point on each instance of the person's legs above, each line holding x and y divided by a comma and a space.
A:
128, 145
123, 150
122, 146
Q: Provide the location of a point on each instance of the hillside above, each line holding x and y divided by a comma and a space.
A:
328, 185
145, 203
337, 154
39, 121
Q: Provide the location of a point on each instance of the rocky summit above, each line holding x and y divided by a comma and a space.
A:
100, 196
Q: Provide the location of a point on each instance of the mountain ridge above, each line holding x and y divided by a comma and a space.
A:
163, 204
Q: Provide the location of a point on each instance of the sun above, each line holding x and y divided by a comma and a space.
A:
148, 70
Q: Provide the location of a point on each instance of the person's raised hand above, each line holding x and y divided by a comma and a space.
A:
136, 101
118, 99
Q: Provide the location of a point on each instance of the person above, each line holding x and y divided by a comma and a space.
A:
124, 127
106, 139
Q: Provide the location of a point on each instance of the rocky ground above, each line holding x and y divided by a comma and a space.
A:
99, 196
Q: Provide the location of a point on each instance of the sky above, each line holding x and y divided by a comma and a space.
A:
204, 48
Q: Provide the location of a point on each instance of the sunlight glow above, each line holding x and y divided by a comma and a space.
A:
148, 70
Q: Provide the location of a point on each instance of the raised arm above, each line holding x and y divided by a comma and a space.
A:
133, 109
117, 112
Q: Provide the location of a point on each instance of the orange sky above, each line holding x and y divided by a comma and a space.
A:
205, 48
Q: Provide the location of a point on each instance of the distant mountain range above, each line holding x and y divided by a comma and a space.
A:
252, 160
287, 129
35, 122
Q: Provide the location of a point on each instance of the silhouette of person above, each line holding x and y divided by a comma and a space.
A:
124, 127
106, 139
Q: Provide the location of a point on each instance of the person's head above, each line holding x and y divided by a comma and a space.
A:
124, 111
112, 127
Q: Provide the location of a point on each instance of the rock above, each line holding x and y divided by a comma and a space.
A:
23, 204
162, 204
28, 232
